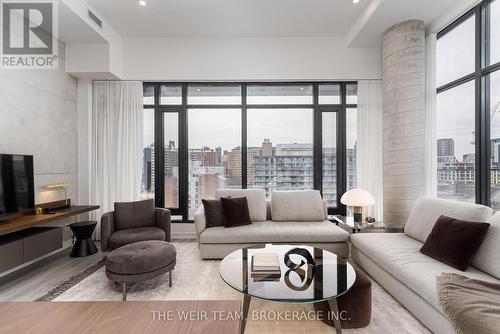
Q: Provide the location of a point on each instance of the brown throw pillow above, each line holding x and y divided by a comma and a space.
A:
454, 242
235, 211
213, 212
134, 214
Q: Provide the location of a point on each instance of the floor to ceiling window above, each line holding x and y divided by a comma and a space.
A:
203, 136
280, 139
468, 104
214, 153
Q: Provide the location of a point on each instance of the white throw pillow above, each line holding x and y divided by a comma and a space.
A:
486, 258
256, 199
427, 211
297, 206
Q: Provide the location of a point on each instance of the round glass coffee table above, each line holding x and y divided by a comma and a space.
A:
306, 275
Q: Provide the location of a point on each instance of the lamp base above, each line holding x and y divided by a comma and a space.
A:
358, 214
54, 206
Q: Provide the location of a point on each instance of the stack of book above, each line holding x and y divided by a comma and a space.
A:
265, 267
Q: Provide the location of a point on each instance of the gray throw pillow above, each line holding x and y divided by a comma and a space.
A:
134, 214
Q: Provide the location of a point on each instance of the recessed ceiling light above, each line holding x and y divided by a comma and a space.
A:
355, 1
142, 2
198, 89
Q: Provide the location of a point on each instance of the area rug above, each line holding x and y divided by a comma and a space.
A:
69, 283
196, 279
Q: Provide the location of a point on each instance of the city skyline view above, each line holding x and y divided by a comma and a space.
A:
282, 166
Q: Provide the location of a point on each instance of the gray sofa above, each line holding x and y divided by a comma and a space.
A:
296, 217
395, 261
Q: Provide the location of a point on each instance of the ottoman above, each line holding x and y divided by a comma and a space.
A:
357, 303
140, 261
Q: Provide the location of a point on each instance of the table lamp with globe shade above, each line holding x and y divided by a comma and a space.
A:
357, 199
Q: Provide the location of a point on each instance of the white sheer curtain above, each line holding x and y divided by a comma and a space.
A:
430, 119
116, 144
370, 144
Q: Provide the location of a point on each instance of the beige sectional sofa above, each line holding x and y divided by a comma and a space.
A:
395, 261
295, 217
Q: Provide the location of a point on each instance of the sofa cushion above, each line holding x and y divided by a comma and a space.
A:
285, 232
214, 215
269, 208
304, 206
454, 242
125, 237
427, 211
486, 258
399, 256
134, 214
235, 211
256, 201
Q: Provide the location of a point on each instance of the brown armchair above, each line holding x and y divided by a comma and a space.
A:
133, 222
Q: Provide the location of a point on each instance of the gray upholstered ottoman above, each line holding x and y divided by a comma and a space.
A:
140, 261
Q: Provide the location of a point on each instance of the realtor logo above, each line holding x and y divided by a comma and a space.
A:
29, 34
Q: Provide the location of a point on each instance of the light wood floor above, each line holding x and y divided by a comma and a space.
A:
34, 281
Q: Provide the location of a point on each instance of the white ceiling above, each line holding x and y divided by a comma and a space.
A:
381, 14
230, 18
72, 29
362, 24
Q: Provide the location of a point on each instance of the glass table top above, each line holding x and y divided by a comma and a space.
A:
307, 274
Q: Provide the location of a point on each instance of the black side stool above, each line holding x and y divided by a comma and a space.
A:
84, 245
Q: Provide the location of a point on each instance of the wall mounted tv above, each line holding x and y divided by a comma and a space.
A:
17, 190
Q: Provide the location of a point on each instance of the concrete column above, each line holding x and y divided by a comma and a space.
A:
403, 119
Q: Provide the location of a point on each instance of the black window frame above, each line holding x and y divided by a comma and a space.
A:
182, 111
481, 78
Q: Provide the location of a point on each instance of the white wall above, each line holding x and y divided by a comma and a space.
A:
219, 59
38, 116
87, 57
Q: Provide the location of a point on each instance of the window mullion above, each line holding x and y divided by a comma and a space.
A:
244, 142
482, 117
341, 151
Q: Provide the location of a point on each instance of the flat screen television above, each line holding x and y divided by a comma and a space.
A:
17, 189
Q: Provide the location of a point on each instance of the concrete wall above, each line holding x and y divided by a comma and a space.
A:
403, 119
219, 59
38, 116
